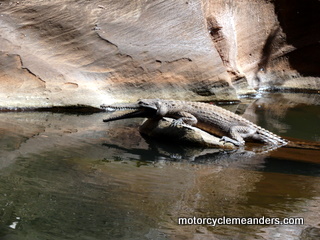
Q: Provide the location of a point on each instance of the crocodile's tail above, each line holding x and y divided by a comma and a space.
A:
297, 143
271, 138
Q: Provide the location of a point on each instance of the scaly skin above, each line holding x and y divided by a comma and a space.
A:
210, 118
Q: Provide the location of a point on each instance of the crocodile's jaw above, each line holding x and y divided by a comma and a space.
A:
137, 113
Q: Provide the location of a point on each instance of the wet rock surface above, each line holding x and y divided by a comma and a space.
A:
61, 53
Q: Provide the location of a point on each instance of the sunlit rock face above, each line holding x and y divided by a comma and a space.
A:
57, 53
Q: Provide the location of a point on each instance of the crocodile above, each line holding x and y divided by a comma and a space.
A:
208, 117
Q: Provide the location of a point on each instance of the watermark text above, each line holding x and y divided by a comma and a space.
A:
213, 221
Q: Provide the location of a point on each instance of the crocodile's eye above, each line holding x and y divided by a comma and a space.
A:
142, 103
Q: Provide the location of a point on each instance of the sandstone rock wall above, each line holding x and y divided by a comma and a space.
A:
57, 53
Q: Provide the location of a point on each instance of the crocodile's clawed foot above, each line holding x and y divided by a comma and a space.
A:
226, 139
176, 156
176, 123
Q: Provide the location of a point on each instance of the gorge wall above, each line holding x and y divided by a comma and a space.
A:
59, 53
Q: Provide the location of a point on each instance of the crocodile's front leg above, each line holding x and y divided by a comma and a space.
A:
184, 117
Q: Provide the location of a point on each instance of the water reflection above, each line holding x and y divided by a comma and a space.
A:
74, 177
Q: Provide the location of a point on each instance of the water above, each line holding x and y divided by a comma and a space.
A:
69, 176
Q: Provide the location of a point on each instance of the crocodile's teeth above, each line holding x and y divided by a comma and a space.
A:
110, 109
113, 108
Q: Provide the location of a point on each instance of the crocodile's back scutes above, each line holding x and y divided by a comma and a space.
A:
218, 121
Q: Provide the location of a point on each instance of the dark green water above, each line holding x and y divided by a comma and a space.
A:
69, 176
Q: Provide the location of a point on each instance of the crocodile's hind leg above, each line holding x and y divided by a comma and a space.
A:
226, 139
237, 135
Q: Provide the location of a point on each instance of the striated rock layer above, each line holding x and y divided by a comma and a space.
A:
76, 52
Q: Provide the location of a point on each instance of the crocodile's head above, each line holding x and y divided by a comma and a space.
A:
145, 108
